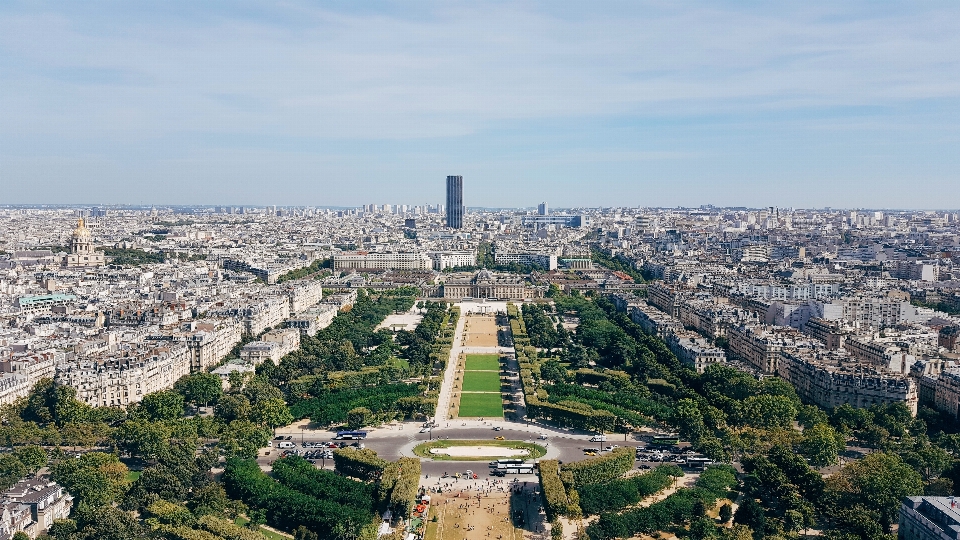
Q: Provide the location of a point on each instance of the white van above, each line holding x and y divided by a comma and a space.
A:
598, 438
286, 444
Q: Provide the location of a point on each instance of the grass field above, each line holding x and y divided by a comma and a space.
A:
482, 362
481, 381
487, 405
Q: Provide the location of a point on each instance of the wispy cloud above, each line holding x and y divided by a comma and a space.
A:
78, 79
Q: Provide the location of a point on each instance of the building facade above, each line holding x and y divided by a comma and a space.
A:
455, 202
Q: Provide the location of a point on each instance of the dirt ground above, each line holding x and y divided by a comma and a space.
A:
497, 513
480, 331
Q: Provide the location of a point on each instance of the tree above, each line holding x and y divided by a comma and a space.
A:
95, 479
688, 419
750, 513
232, 407
272, 413
726, 512
20, 535
358, 417
163, 405
50, 402
33, 457
243, 439
767, 411
141, 438
11, 471
200, 388
236, 380
822, 445
879, 481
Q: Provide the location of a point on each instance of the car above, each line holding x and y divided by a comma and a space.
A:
591, 453
333, 445
288, 438
644, 466
498, 428
497, 472
499, 438
425, 430
608, 448
542, 437
278, 438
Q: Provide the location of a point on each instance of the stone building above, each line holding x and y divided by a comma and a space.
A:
82, 254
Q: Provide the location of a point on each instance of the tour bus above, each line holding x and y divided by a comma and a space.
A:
351, 435
699, 462
505, 462
516, 468
665, 440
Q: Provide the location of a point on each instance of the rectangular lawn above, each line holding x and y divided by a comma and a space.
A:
481, 381
485, 405
482, 362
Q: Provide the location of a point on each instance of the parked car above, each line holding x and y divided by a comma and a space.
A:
498, 428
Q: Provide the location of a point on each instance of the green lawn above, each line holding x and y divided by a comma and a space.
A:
481, 381
487, 405
482, 362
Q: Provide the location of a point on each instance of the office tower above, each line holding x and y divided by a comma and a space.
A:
543, 209
455, 202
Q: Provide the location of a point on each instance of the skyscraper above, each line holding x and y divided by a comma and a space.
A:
543, 209
455, 202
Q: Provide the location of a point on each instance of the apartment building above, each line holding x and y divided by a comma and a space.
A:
547, 261
946, 397
665, 298
303, 294
31, 505
694, 351
890, 356
761, 345
830, 333
929, 518
653, 321
363, 260
452, 259
124, 379
831, 378
313, 320
272, 346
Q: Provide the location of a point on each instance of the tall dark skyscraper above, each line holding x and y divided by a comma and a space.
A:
455, 202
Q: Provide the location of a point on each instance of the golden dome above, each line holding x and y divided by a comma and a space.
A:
81, 231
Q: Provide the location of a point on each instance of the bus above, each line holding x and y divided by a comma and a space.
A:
351, 435
506, 462
665, 440
699, 462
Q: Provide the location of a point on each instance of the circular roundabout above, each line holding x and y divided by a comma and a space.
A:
477, 450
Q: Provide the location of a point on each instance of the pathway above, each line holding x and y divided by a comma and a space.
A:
446, 389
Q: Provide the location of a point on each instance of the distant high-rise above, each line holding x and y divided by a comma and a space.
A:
455, 202
543, 209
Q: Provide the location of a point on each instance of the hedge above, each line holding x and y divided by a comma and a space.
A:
554, 494
617, 494
363, 464
601, 468
404, 494
582, 416
227, 529
676, 509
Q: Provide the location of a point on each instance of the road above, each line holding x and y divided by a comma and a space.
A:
392, 442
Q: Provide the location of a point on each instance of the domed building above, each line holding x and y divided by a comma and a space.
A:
82, 253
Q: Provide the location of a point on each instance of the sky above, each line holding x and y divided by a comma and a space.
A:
640, 103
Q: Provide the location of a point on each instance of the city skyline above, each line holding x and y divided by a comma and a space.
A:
639, 104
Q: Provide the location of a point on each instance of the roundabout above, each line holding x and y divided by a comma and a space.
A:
477, 450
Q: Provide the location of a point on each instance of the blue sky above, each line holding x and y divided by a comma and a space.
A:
805, 104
